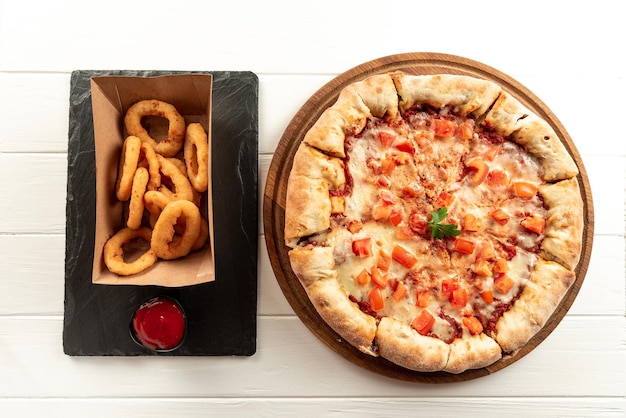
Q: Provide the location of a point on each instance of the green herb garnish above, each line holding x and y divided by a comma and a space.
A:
439, 230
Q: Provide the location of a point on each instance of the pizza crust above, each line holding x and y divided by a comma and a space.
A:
466, 95
348, 114
343, 315
314, 268
313, 175
564, 223
472, 352
379, 94
538, 138
505, 115
402, 345
311, 264
547, 285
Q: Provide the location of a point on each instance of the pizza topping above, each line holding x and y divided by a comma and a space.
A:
403, 256
384, 260
400, 292
443, 128
363, 278
534, 223
497, 178
458, 298
501, 266
473, 325
487, 296
439, 230
423, 298
482, 268
471, 223
503, 283
376, 300
481, 169
424, 322
362, 247
500, 216
525, 189
464, 245
379, 279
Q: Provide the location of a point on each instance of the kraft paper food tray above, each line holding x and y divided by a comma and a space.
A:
190, 94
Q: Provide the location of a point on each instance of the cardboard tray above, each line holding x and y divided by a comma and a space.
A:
222, 313
275, 194
111, 97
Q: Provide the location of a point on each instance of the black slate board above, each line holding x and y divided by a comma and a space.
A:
221, 314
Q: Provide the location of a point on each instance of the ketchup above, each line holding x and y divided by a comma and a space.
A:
159, 324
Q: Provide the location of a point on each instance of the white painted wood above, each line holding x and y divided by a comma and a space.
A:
569, 58
444, 407
584, 356
325, 37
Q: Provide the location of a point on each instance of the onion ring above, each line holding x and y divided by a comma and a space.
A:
114, 253
204, 235
180, 164
164, 242
182, 186
196, 153
148, 159
136, 204
176, 129
127, 167
197, 196
155, 202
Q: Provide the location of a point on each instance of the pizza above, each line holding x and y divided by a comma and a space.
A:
433, 220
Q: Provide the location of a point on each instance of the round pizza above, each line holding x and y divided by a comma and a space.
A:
433, 220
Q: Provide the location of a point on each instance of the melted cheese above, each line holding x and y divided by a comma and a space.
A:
435, 166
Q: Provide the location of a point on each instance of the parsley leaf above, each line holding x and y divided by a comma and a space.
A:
439, 230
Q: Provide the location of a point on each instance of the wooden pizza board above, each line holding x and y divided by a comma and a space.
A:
275, 193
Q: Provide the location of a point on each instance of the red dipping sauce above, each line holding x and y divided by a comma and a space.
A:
159, 324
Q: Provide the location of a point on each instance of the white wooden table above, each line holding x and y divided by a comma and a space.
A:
571, 55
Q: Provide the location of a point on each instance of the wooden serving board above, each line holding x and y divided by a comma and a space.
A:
275, 193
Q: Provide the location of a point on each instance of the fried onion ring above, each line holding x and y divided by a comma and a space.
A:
204, 235
155, 202
148, 159
165, 243
196, 154
114, 253
176, 129
182, 187
127, 167
136, 204
197, 196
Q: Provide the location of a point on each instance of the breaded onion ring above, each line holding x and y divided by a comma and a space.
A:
182, 186
136, 204
176, 129
196, 153
165, 243
148, 159
155, 202
197, 196
204, 235
127, 167
180, 164
114, 253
